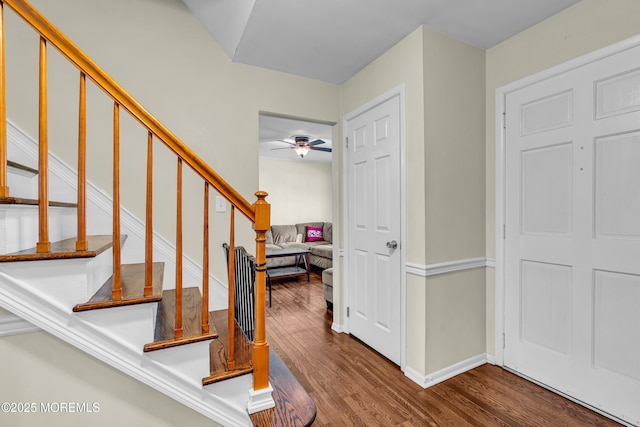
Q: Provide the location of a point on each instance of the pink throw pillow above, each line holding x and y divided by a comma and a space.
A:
314, 234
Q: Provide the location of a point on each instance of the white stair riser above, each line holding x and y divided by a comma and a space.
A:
133, 325
64, 282
19, 226
190, 361
22, 184
234, 389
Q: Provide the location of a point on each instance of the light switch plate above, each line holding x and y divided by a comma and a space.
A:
221, 204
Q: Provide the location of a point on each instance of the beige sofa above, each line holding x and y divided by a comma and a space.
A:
296, 236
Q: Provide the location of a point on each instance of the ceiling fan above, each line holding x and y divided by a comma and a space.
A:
301, 145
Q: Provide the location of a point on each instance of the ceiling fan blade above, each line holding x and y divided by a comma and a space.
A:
287, 142
282, 148
316, 142
328, 150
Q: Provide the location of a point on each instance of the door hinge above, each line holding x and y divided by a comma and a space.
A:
504, 231
504, 120
346, 141
503, 340
347, 311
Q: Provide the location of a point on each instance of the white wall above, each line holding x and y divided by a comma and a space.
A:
299, 190
583, 28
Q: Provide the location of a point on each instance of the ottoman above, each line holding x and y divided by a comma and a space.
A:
327, 282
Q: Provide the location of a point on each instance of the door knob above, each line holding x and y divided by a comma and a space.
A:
392, 244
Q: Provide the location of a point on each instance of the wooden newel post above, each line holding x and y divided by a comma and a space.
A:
260, 345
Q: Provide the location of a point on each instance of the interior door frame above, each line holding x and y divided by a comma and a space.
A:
399, 91
500, 188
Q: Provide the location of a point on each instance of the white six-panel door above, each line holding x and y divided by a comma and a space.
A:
374, 273
572, 249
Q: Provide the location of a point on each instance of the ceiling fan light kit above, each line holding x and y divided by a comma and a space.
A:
301, 150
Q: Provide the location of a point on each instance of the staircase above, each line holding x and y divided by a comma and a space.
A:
87, 271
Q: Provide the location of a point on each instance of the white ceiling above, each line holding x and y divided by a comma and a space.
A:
331, 40
273, 129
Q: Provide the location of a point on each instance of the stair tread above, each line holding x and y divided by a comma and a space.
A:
63, 249
191, 320
21, 167
294, 406
34, 202
132, 282
218, 352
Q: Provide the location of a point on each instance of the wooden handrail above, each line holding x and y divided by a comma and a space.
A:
67, 48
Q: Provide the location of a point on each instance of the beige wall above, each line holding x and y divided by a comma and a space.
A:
454, 100
299, 191
44, 369
455, 318
454, 193
583, 28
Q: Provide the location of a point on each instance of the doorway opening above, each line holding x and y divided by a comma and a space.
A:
296, 170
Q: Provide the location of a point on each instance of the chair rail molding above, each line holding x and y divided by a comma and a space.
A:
449, 266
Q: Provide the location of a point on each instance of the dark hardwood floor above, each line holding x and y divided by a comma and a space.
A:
353, 385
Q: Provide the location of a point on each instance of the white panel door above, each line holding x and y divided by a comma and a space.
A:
373, 165
572, 263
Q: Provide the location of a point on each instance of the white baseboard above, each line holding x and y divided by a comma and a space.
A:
426, 381
338, 328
